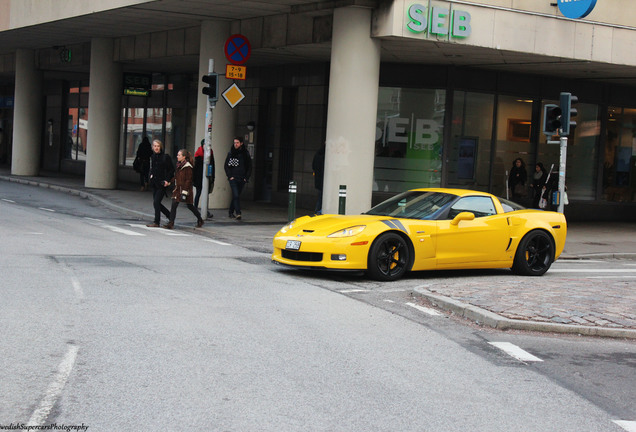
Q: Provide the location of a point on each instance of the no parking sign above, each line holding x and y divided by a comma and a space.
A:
237, 49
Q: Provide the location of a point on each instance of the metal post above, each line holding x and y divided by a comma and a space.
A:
207, 150
291, 208
342, 199
563, 158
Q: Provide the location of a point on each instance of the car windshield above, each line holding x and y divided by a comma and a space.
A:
414, 205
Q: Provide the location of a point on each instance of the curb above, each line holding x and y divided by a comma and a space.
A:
491, 319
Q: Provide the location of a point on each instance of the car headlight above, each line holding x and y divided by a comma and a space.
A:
287, 227
348, 232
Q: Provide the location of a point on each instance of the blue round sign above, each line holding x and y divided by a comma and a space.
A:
576, 8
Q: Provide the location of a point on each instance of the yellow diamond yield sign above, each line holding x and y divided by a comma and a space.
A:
233, 95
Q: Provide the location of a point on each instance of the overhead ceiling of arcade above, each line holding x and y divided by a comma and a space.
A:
171, 14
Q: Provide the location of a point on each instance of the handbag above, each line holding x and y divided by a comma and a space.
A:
520, 190
137, 164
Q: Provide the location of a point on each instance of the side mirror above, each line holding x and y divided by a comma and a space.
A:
462, 216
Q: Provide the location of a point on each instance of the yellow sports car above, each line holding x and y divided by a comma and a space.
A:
426, 229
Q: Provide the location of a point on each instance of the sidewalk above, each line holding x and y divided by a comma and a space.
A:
604, 309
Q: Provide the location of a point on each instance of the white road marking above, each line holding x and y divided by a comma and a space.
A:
429, 311
161, 230
8, 200
122, 231
93, 219
516, 352
217, 242
77, 287
610, 277
348, 291
46, 209
593, 270
629, 426
389, 301
40, 415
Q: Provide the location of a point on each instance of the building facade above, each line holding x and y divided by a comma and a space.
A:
403, 94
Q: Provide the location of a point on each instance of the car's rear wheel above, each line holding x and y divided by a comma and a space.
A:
388, 257
535, 254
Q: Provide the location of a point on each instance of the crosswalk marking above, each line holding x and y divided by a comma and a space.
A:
122, 230
428, 311
217, 242
516, 352
629, 426
161, 230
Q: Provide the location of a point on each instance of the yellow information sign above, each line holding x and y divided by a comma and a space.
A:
233, 95
235, 72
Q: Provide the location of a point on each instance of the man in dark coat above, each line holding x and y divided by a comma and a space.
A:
161, 172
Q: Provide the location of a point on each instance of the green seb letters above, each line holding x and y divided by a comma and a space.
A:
438, 21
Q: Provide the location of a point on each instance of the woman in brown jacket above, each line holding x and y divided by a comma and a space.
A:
183, 188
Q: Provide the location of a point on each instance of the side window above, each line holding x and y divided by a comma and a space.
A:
480, 206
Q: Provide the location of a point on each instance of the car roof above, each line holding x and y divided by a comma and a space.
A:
458, 192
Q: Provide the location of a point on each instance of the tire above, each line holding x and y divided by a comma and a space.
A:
389, 257
535, 254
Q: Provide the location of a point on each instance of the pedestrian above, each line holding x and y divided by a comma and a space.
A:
161, 171
517, 180
238, 167
318, 166
539, 178
144, 151
199, 174
182, 192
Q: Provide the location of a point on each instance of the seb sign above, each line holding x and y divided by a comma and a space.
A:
576, 8
439, 21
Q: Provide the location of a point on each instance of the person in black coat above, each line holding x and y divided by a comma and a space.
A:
144, 151
539, 178
238, 168
161, 172
517, 180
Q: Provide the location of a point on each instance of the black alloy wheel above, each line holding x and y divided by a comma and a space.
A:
535, 254
388, 257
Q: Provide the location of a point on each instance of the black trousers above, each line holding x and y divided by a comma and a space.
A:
173, 211
157, 195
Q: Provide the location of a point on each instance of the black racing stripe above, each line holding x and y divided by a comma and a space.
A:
389, 223
395, 224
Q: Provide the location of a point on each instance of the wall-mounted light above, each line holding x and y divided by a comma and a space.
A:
250, 126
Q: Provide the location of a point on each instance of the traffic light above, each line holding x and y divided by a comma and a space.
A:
551, 119
568, 110
212, 90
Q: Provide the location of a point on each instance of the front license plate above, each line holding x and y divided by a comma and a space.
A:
292, 245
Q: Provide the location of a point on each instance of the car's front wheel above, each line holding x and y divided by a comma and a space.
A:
388, 257
534, 255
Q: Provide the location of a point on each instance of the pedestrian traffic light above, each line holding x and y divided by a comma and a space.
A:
551, 119
212, 90
567, 108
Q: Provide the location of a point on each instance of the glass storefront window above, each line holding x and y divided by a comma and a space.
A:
409, 135
619, 163
77, 127
582, 159
514, 131
470, 148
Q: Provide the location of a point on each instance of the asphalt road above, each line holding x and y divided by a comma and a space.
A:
115, 326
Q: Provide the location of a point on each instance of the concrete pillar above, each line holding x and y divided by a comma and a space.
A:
104, 117
27, 115
352, 110
213, 37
